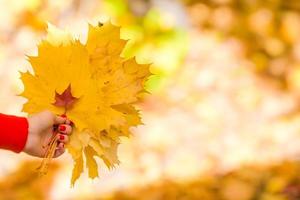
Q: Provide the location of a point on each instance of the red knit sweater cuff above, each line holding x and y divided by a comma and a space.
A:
13, 132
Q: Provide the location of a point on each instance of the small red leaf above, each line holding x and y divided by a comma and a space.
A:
65, 99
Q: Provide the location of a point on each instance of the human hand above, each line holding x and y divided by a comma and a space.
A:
41, 130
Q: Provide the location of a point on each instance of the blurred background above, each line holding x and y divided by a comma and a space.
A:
223, 119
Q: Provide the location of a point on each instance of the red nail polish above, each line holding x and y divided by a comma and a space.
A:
64, 115
61, 137
62, 128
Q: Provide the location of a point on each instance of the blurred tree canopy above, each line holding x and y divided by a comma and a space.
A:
153, 38
206, 106
25, 183
277, 182
268, 30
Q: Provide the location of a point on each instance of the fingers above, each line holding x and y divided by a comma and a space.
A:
63, 138
65, 129
63, 125
67, 120
54, 119
59, 150
60, 120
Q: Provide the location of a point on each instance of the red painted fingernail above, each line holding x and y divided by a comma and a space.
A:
64, 115
61, 137
62, 128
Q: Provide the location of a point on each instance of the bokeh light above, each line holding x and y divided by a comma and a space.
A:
222, 120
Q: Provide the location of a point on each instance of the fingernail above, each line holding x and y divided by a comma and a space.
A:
64, 115
61, 137
62, 128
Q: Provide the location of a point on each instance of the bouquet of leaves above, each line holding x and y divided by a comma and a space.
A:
93, 85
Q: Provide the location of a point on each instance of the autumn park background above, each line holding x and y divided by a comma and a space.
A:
223, 118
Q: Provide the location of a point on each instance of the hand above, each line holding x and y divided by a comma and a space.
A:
41, 130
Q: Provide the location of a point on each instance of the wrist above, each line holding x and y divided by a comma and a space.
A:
29, 145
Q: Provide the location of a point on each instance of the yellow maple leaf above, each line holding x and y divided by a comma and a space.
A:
103, 87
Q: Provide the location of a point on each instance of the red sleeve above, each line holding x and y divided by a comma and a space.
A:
13, 132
